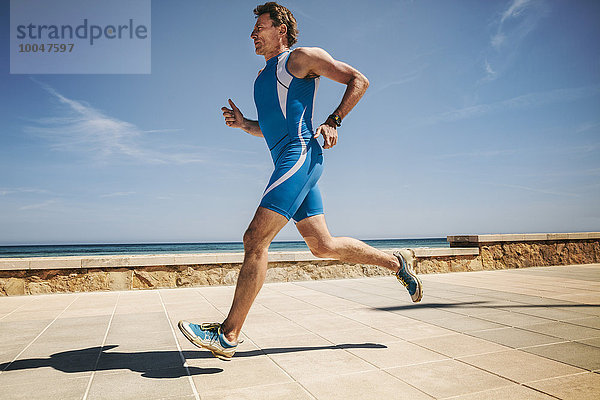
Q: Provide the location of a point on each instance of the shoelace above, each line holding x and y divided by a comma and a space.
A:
210, 326
213, 329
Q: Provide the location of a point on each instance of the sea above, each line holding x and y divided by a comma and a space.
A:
62, 250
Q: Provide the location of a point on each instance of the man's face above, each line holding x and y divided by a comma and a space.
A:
265, 35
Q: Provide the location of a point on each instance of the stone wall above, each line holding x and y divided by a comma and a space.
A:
429, 265
532, 250
532, 254
170, 276
20, 276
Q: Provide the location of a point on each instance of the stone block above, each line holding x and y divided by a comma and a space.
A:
39, 288
120, 279
513, 237
558, 236
281, 256
55, 263
200, 275
475, 265
297, 274
432, 265
150, 261
458, 240
14, 287
296, 255
463, 239
578, 236
491, 238
154, 277
62, 281
533, 237
109, 261
308, 256
426, 252
195, 259
446, 252
278, 274
8, 264
459, 264
228, 258
230, 276
374, 270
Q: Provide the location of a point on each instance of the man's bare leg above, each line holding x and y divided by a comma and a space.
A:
316, 235
260, 233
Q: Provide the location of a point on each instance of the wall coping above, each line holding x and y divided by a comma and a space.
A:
148, 260
520, 237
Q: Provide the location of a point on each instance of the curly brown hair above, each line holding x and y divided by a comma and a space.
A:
280, 15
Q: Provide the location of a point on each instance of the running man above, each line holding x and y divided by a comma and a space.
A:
284, 93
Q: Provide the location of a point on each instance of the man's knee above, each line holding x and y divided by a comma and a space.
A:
249, 238
254, 242
323, 248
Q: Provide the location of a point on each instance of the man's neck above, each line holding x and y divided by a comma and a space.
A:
275, 52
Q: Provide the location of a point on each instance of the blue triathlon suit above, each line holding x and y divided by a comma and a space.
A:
285, 108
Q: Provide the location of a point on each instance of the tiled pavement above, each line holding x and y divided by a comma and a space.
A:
514, 334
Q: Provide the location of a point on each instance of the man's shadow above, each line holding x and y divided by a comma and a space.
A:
478, 304
151, 364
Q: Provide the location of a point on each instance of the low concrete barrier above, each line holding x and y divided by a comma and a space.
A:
531, 250
36, 275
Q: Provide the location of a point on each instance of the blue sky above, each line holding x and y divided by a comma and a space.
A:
481, 117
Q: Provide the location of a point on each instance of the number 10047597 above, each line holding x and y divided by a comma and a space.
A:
46, 47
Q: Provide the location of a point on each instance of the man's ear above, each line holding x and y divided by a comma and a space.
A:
283, 29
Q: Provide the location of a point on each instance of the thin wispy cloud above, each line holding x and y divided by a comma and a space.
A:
161, 130
587, 126
415, 66
117, 194
408, 77
488, 69
584, 149
9, 191
306, 16
37, 206
533, 189
478, 153
564, 173
525, 101
86, 130
511, 27
514, 9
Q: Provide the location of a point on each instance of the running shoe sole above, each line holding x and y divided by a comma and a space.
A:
409, 257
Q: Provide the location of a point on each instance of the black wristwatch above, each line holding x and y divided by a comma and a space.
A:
336, 119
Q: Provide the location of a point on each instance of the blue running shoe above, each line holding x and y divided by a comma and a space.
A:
406, 275
209, 336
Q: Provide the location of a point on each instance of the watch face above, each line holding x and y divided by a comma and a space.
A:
336, 119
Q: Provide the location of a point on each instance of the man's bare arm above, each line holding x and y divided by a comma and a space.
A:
251, 127
313, 61
235, 119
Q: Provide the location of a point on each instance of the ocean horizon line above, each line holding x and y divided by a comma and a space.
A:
60, 243
93, 249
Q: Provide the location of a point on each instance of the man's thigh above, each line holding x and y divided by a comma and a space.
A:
314, 230
264, 226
